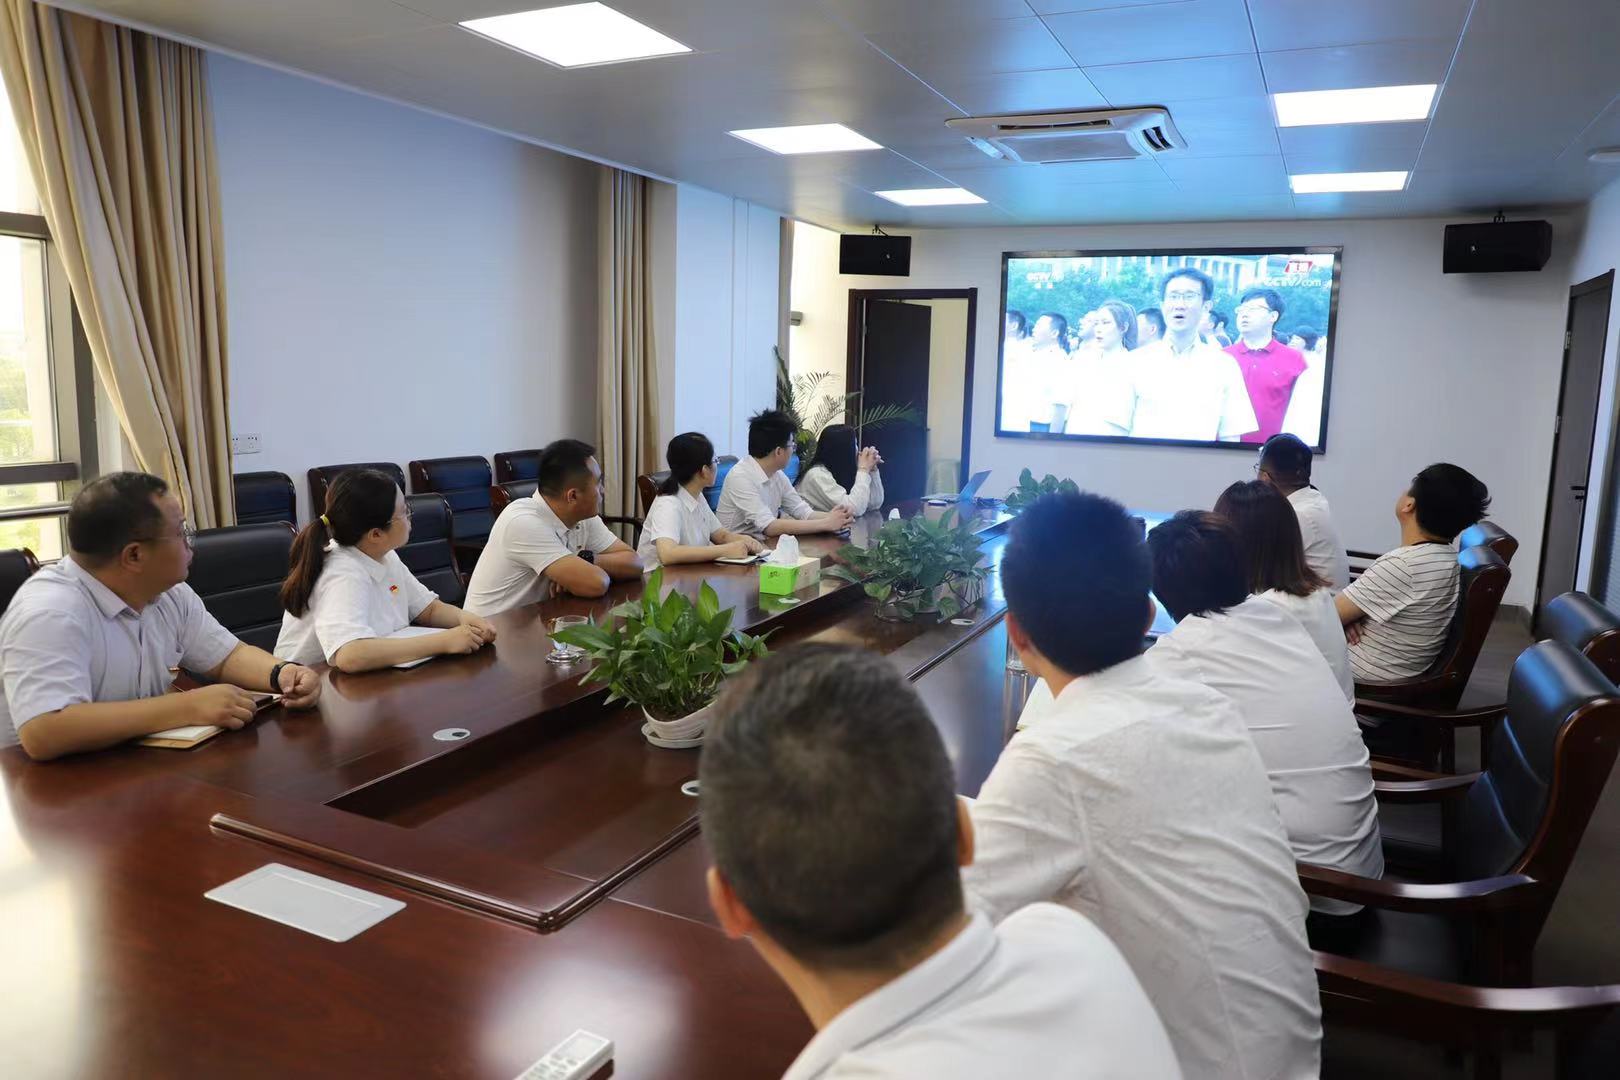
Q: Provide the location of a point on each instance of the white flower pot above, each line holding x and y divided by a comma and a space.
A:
682, 734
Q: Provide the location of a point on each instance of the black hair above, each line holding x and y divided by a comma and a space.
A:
1198, 566
1273, 299
1287, 458
1307, 335
1268, 529
1020, 322
358, 501
769, 431
1220, 319
1449, 498
1205, 282
1124, 317
838, 451
1092, 614
1062, 325
564, 464
1154, 316
829, 803
688, 455
112, 512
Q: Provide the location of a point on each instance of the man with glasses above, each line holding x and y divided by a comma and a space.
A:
1183, 387
1270, 368
89, 645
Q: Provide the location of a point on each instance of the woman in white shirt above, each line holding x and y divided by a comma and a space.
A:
843, 474
1097, 395
348, 593
1269, 530
680, 526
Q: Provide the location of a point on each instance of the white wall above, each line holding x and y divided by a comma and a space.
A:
821, 296
1597, 253
399, 286
1427, 367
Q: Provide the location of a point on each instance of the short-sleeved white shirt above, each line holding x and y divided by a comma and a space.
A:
356, 597
682, 517
750, 500
1197, 395
1319, 615
823, 491
1409, 596
527, 538
67, 639
1324, 551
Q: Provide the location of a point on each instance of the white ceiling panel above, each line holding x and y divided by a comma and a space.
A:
974, 48
1348, 147
250, 26
1128, 35
1253, 175
1225, 127
883, 16
1059, 7
1344, 67
1179, 80
1007, 177
1307, 24
1022, 91
1343, 159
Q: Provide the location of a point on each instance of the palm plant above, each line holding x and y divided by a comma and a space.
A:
812, 404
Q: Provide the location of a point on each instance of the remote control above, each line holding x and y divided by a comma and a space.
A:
575, 1058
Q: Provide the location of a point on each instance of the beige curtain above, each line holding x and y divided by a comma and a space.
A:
627, 369
117, 128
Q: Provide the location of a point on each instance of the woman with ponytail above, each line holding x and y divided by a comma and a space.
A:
348, 591
680, 527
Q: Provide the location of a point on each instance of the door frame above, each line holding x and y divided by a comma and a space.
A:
1590, 285
857, 334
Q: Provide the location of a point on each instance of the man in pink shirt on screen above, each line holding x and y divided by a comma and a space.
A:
1269, 367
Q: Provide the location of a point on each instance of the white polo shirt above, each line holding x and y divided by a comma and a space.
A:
1324, 551
750, 500
1197, 395
527, 538
356, 597
1139, 800
67, 639
1319, 615
823, 491
1258, 657
682, 517
1044, 994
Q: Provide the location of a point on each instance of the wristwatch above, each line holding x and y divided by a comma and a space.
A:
275, 675
589, 556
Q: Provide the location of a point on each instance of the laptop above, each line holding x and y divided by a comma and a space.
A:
966, 495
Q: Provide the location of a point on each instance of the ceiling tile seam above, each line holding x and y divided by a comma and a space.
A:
844, 25
1445, 81
1072, 60
1581, 135
1264, 82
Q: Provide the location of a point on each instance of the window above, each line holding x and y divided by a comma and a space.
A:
47, 437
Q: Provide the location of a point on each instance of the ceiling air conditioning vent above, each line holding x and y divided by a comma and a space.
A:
1090, 135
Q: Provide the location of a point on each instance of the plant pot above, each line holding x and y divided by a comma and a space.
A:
968, 592
682, 734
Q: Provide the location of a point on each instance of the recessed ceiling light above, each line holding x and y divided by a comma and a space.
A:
806, 139
1605, 155
1367, 105
578, 35
931, 196
1323, 182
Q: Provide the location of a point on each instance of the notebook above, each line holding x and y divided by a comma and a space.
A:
410, 632
184, 738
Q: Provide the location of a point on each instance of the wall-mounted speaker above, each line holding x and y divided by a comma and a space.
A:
861, 254
1496, 247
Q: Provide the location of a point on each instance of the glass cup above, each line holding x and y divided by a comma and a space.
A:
566, 654
1015, 663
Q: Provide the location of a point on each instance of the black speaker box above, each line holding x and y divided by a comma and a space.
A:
861, 254
1497, 246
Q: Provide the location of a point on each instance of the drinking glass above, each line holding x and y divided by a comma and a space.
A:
1015, 663
565, 654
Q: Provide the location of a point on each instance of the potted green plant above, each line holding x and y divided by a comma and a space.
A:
916, 566
1029, 489
813, 401
667, 655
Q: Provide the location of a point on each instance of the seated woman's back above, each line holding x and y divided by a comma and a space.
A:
1320, 619
843, 474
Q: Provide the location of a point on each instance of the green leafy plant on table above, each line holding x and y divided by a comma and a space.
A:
798, 397
916, 565
666, 654
1029, 489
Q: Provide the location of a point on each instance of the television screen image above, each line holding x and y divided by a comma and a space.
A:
1199, 347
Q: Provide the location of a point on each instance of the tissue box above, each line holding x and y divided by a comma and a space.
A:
782, 580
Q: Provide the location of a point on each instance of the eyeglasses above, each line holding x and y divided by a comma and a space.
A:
1186, 297
1261, 308
188, 536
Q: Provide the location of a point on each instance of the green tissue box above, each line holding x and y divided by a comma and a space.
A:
782, 580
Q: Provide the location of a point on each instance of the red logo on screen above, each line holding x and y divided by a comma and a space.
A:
1300, 266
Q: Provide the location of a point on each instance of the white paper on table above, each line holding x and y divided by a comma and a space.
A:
184, 734
410, 632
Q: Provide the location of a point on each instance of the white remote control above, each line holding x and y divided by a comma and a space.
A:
575, 1058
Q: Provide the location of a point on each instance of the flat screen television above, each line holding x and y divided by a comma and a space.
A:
1220, 347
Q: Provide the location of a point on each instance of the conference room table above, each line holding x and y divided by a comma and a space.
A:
548, 858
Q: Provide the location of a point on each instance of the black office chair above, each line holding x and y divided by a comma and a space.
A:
464, 482
238, 571
503, 495
16, 565
321, 477
517, 465
1489, 534
1586, 626
430, 555
265, 496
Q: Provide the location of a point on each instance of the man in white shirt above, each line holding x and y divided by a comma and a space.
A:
554, 539
1183, 387
1285, 464
1139, 800
1397, 614
88, 645
837, 842
1257, 656
757, 497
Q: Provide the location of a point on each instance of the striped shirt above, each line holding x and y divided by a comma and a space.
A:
1409, 596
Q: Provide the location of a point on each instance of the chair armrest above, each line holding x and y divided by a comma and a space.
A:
1389, 770
1423, 791
1454, 718
1503, 893
1536, 1006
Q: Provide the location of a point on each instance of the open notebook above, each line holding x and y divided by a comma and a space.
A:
184, 738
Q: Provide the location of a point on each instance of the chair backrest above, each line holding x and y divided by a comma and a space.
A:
238, 571
517, 465
265, 496
464, 482
321, 477
722, 466
792, 469
502, 495
16, 564
1489, 534
1550, 759
1586, 626
430, 555
647, 485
